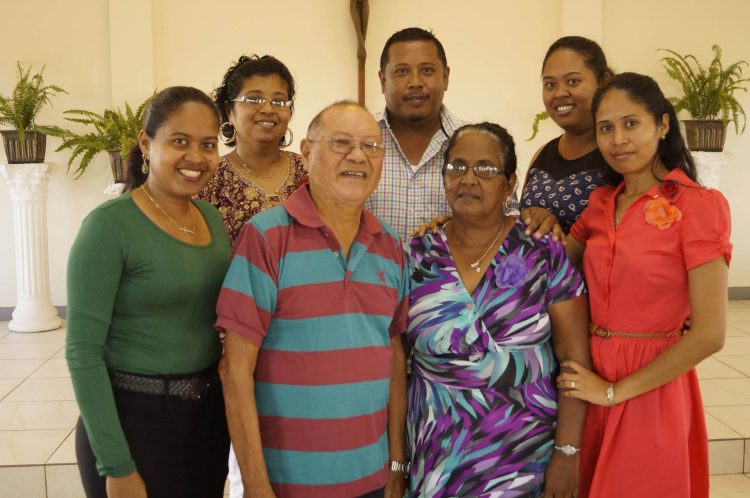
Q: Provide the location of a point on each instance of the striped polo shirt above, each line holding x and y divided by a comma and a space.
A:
323, 325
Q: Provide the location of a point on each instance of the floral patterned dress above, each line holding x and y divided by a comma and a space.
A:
482, 399
238, 199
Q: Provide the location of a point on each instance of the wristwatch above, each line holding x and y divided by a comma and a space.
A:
402, 467
567, 450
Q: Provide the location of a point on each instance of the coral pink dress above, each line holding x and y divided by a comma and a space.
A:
653, 445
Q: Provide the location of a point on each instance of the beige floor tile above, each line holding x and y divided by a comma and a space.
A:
747, 456
37, 415
736, 418
732, 331
29, 447
735, 346
737, 304
18, 369
55, 336
7, 385
722, 392
60, 355
741, 363
739, 314
22, 482
52, 368
44, 390
710, 368
64, 481
731, 486
743, 325
66, 453
29, 350
718, 430
726, 457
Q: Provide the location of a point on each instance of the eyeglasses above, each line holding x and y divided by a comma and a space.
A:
345, 146
254, 100
481, 169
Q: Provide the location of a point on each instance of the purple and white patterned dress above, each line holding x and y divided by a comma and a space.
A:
482, 398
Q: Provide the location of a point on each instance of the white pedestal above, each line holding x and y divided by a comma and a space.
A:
709, 166
28, 194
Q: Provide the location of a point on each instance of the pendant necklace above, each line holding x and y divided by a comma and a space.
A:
181, 228
253, 173
475, 264
562, 148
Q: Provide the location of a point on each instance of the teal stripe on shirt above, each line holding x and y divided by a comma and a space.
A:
329, 333
321, 402
241, 273
392, 271
295, 268
326, 467
271, 218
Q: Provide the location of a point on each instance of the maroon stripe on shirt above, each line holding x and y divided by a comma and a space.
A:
236, 312
320, 368
337, 434
328, 299
347, 490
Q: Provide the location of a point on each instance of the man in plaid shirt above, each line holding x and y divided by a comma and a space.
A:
416, 127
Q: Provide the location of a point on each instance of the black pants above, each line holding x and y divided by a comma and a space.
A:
180, 447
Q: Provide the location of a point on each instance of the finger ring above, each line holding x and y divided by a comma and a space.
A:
572, 384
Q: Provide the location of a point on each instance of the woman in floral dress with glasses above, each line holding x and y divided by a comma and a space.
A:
256, 100
655, 250
491, 312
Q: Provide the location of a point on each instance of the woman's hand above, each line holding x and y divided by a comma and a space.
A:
396, 486
582, 383
540, 221
561, 476
432, 225
129, 486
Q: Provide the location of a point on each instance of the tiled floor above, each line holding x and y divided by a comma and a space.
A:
38, 413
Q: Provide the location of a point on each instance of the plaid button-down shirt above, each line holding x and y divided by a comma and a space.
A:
405, 198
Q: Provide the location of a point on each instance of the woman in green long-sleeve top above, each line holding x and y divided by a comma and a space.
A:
143, 277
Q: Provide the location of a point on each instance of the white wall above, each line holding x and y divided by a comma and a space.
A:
104, 51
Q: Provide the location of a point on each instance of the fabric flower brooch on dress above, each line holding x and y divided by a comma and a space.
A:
659, 212
511, 272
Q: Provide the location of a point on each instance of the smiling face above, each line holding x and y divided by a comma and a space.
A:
414, 81
477, 198
627, 134
261, 123
568, 86
183, 154
340, 179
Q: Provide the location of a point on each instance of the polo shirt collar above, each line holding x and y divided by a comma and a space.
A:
446, 118
301, 207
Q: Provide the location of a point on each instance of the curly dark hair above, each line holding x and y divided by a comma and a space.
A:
244, 68
500, 134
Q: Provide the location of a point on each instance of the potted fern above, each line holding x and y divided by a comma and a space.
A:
114, 131
708, 96
25, 144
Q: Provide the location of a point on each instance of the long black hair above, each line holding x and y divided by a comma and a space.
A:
642, 89
161, 106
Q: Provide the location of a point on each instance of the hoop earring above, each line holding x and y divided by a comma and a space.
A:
283, 143
223, 136
145, 166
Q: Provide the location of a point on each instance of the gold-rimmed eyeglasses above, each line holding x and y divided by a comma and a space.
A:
345, 146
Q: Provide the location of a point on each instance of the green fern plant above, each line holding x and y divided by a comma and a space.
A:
708, 91
541, 116
113, 129
29, 96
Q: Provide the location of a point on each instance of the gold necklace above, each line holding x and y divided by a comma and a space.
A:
475, 264
183, 229
562, 148
253, 173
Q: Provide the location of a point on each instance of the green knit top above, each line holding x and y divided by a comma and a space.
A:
139, 301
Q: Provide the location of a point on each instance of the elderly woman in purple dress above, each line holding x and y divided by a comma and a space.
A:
492, 313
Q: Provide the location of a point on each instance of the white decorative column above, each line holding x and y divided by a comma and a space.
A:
28, 193
709, 166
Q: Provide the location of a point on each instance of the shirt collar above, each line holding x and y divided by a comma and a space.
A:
676, 175
449, 123
301, 207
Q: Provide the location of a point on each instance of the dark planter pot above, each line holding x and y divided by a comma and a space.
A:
705, 134
31, 150
115, 162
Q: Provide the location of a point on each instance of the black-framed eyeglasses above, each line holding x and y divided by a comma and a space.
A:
255, 100
480, 169
345, 146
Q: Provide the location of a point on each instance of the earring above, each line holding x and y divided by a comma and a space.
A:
144, 166
511, 206
283, 143
224, 135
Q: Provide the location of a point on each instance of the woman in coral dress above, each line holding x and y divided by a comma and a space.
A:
655, 252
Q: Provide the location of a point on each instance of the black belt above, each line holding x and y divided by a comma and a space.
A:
193, 387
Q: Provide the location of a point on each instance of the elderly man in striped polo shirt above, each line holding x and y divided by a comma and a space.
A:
314, 310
